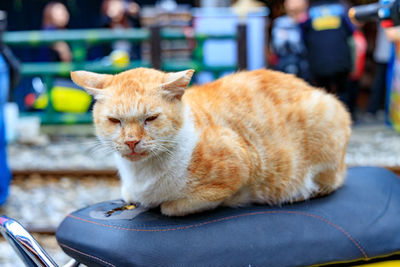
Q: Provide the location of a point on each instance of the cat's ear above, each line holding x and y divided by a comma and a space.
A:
93, 83
176, 83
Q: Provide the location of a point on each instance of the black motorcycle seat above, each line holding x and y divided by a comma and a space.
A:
358, 222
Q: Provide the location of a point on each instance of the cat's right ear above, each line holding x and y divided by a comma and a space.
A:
176, 83
93, 83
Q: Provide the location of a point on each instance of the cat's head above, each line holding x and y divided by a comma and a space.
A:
138, 112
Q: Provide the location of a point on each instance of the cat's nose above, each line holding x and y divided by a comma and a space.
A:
132, 144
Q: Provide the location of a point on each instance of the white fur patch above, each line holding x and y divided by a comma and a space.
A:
314, 100
153, 181
309, 187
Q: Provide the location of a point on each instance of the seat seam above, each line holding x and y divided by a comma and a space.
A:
87, 255
352, 239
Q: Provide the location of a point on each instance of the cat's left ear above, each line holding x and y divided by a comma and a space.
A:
176, 83
93, 83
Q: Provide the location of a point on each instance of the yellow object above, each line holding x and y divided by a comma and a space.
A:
120, 58
65, 99
41, 102
244, 7
126, 207
383, 263
395, 263
326, 23
394, 111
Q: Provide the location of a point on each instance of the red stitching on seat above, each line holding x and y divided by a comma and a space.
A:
228, 218
87, 255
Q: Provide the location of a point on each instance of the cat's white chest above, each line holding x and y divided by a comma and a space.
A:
154, 182
150, 185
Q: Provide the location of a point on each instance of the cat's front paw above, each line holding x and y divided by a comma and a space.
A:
126, 197
182, 207
171, 208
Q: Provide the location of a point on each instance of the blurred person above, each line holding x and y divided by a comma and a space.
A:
382, 55
55, 17
359, 51
286, 40
326, 35
120, 14
296, 9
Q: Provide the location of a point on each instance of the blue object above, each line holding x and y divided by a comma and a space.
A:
358, 222
386, 2
5, 175
327, 10
384, 13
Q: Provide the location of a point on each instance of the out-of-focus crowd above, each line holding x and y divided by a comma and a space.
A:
114, 14
319, 43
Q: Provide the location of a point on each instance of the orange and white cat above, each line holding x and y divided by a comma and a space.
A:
250, 137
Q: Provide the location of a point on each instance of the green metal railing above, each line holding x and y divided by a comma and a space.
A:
80, 40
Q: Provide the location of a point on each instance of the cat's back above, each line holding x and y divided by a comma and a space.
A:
250, 95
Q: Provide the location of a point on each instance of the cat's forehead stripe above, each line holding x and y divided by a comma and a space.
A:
133, 110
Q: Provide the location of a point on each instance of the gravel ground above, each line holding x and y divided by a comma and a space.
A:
60, 153
40, 202
375, 144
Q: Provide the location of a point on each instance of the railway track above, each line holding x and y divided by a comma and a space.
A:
112, 174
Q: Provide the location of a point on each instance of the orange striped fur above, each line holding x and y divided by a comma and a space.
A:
250, 137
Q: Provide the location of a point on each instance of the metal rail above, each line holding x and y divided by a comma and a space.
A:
70, 173
112, 174
98, 36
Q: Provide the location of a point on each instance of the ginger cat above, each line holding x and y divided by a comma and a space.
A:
251, 137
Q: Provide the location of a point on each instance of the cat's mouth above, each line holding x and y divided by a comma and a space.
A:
134, 156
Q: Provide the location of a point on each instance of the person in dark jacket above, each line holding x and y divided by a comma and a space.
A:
326, 34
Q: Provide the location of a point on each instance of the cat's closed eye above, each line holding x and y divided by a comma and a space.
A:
114, 120
151, 118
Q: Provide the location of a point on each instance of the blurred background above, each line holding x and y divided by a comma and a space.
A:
50, 161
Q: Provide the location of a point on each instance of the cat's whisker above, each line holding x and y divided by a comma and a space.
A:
155, 155
162, 141
94, 147
102, 150
165, 150
97, 146
159, 149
